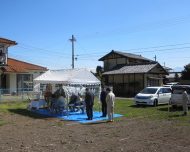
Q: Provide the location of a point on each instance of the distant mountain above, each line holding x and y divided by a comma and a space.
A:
178, 69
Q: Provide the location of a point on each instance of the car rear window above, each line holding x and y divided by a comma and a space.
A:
177, 91
180, 91
149, 90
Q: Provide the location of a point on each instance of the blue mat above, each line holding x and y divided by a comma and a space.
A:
75, 116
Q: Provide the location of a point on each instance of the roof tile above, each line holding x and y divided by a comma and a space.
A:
17, 66
128, 55
132, 69
6, 41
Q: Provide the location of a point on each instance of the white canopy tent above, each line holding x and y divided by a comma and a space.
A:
68, 77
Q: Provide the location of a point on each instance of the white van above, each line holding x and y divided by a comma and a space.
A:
153, 96
170, 84
177, 97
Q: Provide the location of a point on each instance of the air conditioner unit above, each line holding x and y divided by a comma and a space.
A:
2, 59
2, 50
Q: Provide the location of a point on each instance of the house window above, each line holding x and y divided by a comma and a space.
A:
121, 61
109, 64
25, 82
153, 82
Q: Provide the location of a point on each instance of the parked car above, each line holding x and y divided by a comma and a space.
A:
153, 96
170, 84
167, 85
176, 96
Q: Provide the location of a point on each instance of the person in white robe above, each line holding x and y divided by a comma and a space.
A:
185, 103
110, 100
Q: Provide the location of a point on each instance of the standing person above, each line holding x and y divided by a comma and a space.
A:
110, 99
48, 94
89, 100
60, 92
103, 101
185, 102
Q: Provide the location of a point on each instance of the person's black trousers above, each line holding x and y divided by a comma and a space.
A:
89, 111
104, 109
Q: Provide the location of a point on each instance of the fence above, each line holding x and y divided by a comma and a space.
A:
7, 95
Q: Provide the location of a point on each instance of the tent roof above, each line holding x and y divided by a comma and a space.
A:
68, 76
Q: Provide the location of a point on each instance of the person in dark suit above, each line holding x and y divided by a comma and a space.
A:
103, 101
89, 100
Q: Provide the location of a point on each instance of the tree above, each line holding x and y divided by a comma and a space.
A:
185, 75
99, 71
176, 77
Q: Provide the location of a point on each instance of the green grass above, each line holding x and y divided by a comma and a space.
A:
2, 122
6, 107
125, 107
18, 107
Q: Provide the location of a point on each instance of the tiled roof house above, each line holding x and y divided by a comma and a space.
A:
16, 66
16, 75
7, 42
129, 73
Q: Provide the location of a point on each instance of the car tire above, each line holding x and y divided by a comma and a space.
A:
174, 106
137, 105
155, 102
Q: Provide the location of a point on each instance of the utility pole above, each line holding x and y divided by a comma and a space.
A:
155, 57
73, 55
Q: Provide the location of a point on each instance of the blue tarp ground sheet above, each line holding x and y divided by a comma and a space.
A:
75, 116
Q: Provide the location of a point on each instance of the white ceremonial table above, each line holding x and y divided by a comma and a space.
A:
38, 104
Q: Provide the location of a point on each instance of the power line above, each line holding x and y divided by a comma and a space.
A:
26, 46
146, 26
97, 54
133, 49
84, 56
140, 27
158, 50
88, 56
155, 47
169, 49
46, 52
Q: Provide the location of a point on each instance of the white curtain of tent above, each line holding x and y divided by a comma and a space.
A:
78, 77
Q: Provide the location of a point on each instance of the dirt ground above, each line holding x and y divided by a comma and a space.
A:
30, 134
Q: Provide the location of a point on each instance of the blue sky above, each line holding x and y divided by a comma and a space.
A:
43, 28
